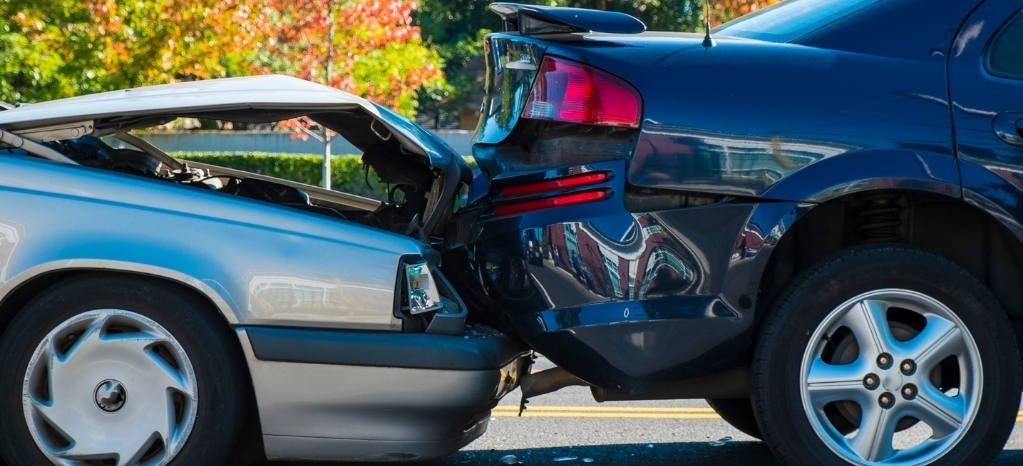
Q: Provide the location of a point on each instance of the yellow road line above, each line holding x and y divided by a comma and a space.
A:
606, 409
606, 415
618, 412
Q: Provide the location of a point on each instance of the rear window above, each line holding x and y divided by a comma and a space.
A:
1005, 55
791, 19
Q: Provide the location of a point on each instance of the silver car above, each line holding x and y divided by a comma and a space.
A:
155, 311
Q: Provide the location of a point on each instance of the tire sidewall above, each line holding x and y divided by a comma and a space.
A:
177, 313
804, 309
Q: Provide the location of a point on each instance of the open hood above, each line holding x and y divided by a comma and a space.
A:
387, 139
249, 99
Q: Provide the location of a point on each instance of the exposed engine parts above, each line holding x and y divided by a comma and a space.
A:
93, 152
408, 185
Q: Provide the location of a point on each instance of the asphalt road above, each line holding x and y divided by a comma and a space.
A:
569, 426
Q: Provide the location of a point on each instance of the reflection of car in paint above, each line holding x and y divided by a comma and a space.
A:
155, 311
815, 223
534, 252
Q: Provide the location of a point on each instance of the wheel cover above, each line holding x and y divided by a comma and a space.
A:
947, 411
110, 385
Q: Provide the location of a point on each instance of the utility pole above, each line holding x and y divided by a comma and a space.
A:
327, 137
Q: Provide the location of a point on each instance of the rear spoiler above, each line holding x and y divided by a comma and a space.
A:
536, 19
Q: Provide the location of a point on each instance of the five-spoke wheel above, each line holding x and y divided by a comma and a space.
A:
881, 377
886, 354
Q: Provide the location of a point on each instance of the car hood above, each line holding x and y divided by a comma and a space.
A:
256, 99
247, 99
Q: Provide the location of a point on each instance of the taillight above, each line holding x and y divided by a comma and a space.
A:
572, 92
547, 202
555, 184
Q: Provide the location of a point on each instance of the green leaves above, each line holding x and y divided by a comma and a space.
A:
366, 47
51, 49
457, 28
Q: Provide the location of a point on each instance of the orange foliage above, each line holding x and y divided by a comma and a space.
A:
376, 52
722, 11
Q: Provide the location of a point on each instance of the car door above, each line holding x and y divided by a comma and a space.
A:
985, 70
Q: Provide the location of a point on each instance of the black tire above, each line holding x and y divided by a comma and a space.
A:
777, 384
205, 339
737, 413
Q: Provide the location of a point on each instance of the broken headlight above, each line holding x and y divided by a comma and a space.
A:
422, 291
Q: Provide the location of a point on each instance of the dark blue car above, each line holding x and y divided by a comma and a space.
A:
811, 216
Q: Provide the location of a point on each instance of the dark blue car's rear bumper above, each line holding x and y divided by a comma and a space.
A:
628, 301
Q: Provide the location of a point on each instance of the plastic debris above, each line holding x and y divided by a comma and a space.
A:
649, 445
721, 441
510, 459
587, 460
566, 458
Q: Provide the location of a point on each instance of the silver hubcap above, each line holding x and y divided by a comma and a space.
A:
891, 376
76, 391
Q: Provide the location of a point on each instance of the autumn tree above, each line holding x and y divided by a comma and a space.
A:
366, 47
457, 27
60, 48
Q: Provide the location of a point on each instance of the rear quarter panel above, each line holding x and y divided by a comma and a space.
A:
742, 117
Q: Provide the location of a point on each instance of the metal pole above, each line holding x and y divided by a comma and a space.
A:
329, 71
326, 158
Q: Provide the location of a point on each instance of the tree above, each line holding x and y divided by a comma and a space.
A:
366, 47
38, 43
457, 28
60, 48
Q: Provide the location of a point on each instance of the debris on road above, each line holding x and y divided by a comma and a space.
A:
721, 441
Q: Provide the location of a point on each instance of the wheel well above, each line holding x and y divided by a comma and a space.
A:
250, 446
24, 293
947, 226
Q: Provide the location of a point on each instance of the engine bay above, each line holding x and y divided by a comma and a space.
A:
408, 185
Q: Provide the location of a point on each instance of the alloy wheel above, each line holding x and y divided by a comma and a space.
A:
911, 361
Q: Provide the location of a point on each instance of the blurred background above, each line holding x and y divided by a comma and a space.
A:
421, 58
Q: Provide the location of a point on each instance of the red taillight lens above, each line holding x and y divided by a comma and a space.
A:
576, 93
547, 202
555, 184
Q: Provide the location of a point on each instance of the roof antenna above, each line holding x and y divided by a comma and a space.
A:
708, 41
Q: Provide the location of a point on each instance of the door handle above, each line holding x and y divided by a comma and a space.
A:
1009, 128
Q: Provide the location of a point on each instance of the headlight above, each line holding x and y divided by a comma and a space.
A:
422, 292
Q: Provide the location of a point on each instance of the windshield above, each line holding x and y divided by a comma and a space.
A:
791, 19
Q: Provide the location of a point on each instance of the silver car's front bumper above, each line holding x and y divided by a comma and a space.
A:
324, 410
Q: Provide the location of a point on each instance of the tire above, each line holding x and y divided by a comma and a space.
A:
933, 337
167, 376
737, 413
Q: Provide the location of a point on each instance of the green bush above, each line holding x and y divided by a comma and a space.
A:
346, 172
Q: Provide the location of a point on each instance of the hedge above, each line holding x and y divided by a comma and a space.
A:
346, 172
